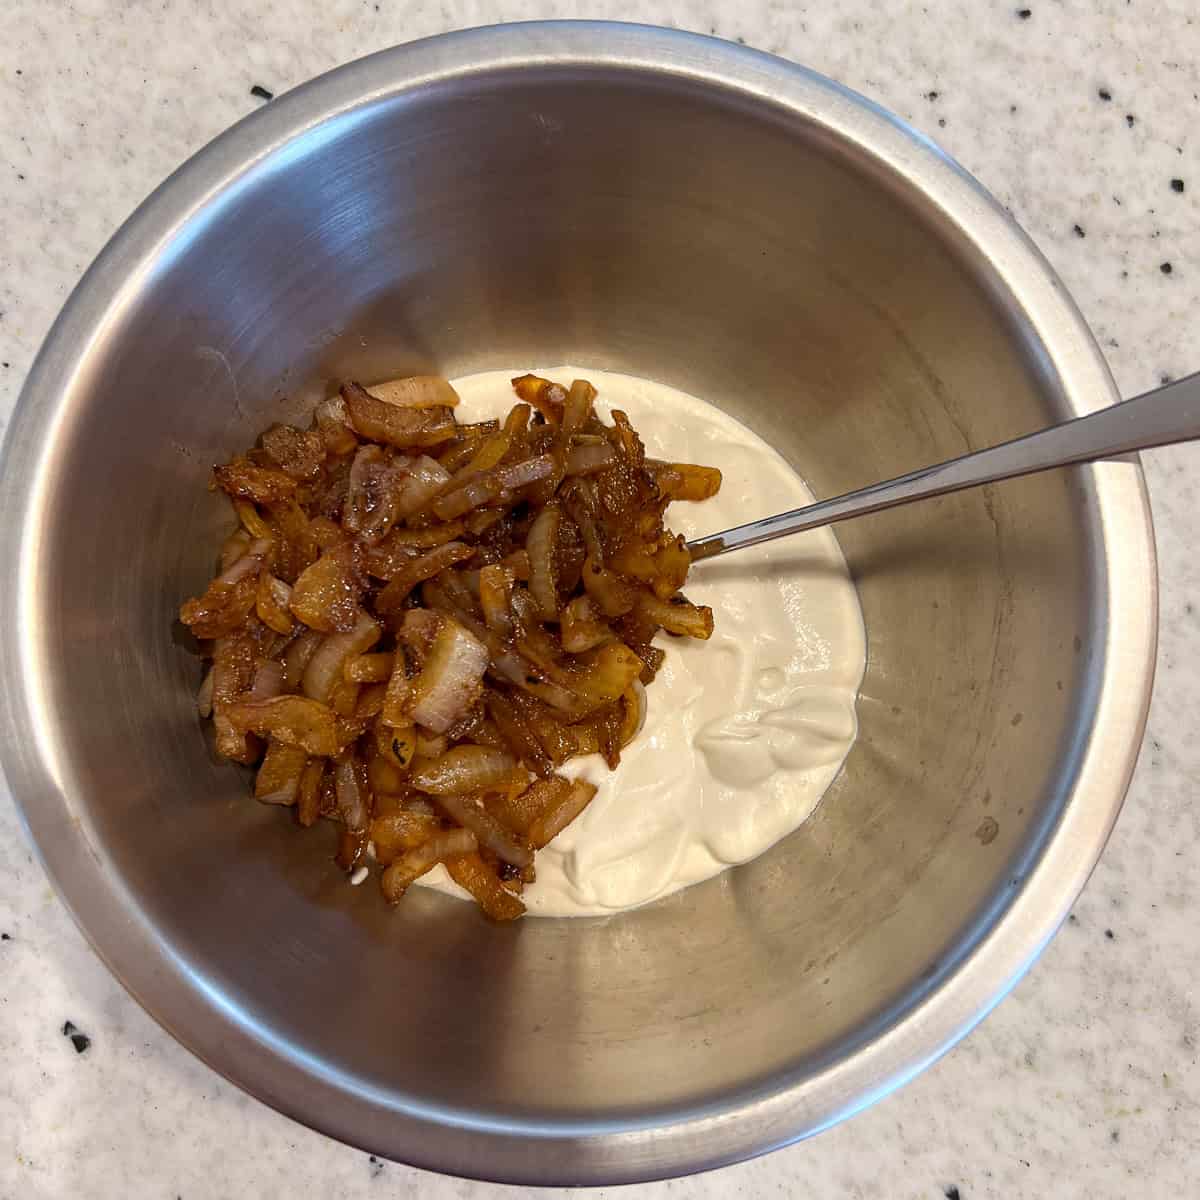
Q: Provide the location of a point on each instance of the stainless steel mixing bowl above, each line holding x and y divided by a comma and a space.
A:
660, 204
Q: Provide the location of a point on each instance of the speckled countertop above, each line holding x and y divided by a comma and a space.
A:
1079, 116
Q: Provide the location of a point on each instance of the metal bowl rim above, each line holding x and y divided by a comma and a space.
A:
485, 1148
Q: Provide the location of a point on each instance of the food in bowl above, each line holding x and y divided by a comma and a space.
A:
439, 632
381, 626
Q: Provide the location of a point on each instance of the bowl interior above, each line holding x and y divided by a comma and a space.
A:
650, 223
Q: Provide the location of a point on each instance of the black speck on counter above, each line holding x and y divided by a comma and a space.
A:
942, 122
1165, 268
1164, 379
376, 1167
1074, 920
1108, 933
1130, 120
952, 1192
1079, 231
1177, 185
1115, 1135
4, 937
80, 1041
1012, 108
1104, 94
1024, 13
931, 95
261, 92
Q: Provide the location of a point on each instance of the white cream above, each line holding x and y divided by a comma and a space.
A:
745, 731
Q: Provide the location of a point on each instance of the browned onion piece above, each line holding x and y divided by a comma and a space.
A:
581, 627
490, 833
470, 495
464, 769
677, 616
530, 470
539, 545
230, 597
553, 821
517, 735
368, 668
351, 789
547, 397
297, 657
234, 658
334, 423
422, 478
399, 693
243, 480
268, 681
405, 428
272, 603
373, 499
299, 452
324, 670
252, 519
370, 700
430, 745
451, 680
410, 867
519, 810
613, 595
472, 874
578, 407
606, 672
492, 486
278, 779
684, 481
326, 595
495, 598
295, 720
417, 570
234, 547
588, 459
417, 391
547, 726
402, 545
672, 561
518, 563
394, 833
308, 801
489, 452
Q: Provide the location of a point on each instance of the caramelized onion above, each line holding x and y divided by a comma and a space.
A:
416, 618
325, 668
417, 391
539, 545
406, 870
490, 833
464, 769
451, 680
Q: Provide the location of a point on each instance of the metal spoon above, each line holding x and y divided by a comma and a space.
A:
1156, 418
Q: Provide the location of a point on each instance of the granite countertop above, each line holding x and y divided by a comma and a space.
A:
1079, 117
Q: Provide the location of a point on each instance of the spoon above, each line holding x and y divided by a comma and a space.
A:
1156, 418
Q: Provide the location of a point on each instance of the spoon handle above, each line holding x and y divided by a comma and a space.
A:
1157, 418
